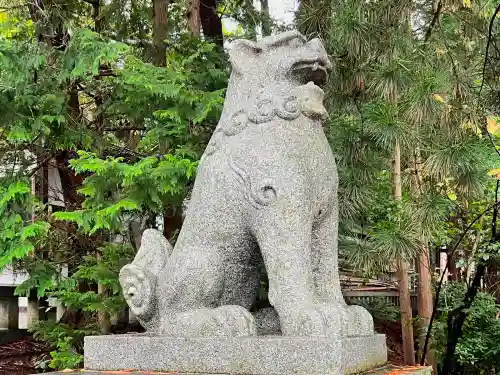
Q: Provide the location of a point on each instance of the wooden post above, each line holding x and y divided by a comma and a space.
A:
9, 313
402, 270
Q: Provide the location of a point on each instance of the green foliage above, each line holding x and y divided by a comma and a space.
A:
478, 348
78, 292
124, 135
19, 232
66, 341
104, 270
115, 188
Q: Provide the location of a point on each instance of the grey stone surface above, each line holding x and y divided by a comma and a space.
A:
266, 189
363, 353
267, 322
270, 355
424, 370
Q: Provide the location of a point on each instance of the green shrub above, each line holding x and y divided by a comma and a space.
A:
479, 347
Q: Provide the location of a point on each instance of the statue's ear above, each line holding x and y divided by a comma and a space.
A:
243, 55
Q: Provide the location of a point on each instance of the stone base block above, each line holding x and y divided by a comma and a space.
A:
388, 370
259, 355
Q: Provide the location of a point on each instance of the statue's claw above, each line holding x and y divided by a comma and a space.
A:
327, 319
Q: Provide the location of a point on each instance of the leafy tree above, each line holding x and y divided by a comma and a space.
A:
124, 135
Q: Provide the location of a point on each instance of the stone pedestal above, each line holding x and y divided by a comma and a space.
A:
389, 370
33, 312
270, 355
9, 313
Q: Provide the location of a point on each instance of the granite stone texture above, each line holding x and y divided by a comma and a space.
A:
386, 370
271, 355
265, 191
267, 321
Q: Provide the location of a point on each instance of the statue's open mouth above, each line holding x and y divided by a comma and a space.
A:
310, 71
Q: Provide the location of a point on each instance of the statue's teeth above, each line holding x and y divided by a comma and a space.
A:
316, 66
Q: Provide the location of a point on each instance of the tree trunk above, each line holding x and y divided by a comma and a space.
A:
103, 317
425, 303
424, 286
98, 21
397, 191
402, 270
266, 18
193, 17
160, 32
406, 312
211, 22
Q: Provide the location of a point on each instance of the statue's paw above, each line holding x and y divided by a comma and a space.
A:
235, 321
267, 321
343, 320
232, 321
311, 320
325, 319
357, 321
138, 287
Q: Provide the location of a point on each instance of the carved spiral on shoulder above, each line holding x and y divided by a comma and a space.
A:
139, 290
264, 194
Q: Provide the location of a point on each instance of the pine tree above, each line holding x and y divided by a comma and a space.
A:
394, 92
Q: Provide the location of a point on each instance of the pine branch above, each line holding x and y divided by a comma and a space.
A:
448, 53
435, 19
490, 31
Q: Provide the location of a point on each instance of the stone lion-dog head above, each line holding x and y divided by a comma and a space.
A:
286, 58
276, 77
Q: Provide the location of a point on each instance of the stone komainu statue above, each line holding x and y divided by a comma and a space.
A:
266, 189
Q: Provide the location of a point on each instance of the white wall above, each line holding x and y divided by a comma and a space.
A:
9, 278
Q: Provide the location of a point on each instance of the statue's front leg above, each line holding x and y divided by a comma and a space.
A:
283, 232
355, 320
139, 278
